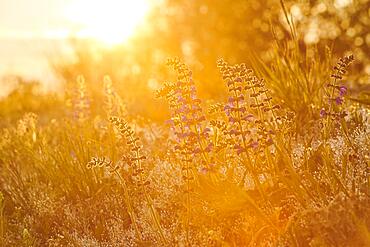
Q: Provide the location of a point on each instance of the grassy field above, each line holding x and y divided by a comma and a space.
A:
244, 172
280, 158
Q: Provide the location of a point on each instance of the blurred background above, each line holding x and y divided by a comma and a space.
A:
46, 44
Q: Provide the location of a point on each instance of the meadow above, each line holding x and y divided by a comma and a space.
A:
279, 158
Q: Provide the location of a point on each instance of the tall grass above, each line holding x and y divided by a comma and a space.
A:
1, 219
283, 161
232, 173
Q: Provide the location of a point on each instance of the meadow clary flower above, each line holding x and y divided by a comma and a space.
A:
338, 100
323, 112
203, 170
254, 145
342, 90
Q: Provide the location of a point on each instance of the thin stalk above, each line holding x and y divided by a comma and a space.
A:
1, 219
130, 209
249, 160
147, 196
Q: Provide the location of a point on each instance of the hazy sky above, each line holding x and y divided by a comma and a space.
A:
32, 29
26, 28
35, 18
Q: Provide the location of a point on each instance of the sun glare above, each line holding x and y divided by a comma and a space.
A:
109, 21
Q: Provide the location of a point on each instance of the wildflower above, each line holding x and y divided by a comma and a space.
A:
234, 132
27, 124
342, 90
249, 117
269, 142
170, 122
102, 162
323, 113
73, 155
209, 148
338, 100
239, 149
232, 120
339, 70
80, 101
203, 170
254, 144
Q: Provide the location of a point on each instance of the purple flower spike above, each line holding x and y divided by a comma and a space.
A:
254, 145
239, 151
238, 79
338, 100
209, 148
181, 99
237, 146
202, 118
73, 155
249, 117
323, 112
269, 142
169, 122
342, 90
232, 120
183, 109
206, 130
233, 132
203, 170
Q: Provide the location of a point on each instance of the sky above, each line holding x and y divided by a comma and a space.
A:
31, 18
33, 30
29, 32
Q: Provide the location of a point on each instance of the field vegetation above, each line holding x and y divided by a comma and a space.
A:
270, 151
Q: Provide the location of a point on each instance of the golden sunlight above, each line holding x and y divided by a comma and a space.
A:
184, 123
110, 21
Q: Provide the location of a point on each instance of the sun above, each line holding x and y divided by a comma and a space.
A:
109, 21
